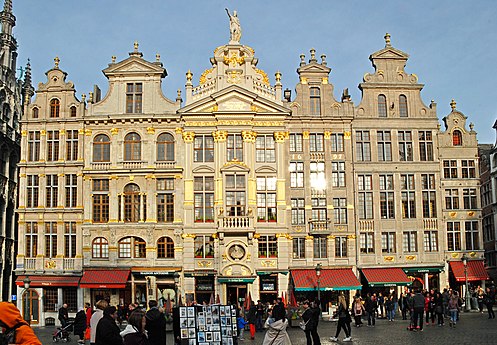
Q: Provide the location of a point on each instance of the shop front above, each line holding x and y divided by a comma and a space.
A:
153, 283
384, 280
424, 277
109, 285
474, 271
236, 288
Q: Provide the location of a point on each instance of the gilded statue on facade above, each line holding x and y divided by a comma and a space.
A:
235, 28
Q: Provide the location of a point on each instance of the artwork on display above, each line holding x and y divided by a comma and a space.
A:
206, 325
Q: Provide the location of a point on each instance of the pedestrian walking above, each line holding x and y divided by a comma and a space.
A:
480, 294
344, 320
489, 302
80, 325
108, 333
156, 324
389, 307
241, 323
259, 316
453, 309
381, 304
252, 319
63, 315
311, 320
276, 333
418, 305
134, 333
358, 310
95, 318
15, 330
438, 301
371, 305
445, 298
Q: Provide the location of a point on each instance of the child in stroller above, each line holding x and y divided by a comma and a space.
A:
62, 333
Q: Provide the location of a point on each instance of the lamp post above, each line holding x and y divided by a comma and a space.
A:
464, 260
318, 269
25, 292
176, 282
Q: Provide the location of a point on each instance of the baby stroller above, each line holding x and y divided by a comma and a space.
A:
62, 333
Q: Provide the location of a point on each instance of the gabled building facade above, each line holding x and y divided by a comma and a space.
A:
238, 189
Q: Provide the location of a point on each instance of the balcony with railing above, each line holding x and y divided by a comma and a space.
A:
319, 226
240, 223
29, 263
100, 165
165, 165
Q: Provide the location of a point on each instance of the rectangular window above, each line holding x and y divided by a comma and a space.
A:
298, 212
318, 180
204, 199
469, 198
341, 246
203, 148
134, 94
52, 146
384, 146
299, 248
100, 200
453, 236
70, 239
71, 145
340, 210
165, 200
315, 101
410, 243
268, 247
388, 242
337, 142
363, 146
52, 190
430, 241
318, 209
31, 239
468, 169
320, 247
408, 196
338, 174
472, 237
235, 195
425, 146
265, 149
387, 200
450, 168
70, 297
266, 199
234, 147
50, 299
204, 246
452, 199
296, 174
33, 190
316, 142
405, 146
365, 196
51, 239
71, 190
429, 196
296, 142
366, 242
34, 144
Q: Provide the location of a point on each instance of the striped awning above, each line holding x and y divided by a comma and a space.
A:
391, 276
104, 279
330, 279
476, 270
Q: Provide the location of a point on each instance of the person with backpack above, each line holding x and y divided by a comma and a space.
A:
15, 330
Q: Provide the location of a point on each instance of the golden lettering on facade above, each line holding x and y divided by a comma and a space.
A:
220, 136
249, 136
188, 137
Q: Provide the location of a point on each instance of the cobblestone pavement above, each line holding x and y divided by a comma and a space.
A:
473, 328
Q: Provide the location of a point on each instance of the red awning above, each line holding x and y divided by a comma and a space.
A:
391, 276
476, 270
42, 281
330, 279
104, 279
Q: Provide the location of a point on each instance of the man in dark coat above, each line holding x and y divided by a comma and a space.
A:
108, 333
63, 315
80, 326
279, 312
156, 324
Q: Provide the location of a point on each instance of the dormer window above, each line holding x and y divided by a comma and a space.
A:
382, 106
315, 101
457, 138
72, 111
35, 113
403, 106
134, 97
54, 108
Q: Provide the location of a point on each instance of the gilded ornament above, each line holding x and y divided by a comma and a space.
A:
277, 76
203, 77
410, 257
43, 132
325, 80
268, 263
280, 137
57, 61
235, 161
249, 136
351, 237
257, 236
346, 134
24, 133
472, 254
220, 136
254, 108
114, 131
188, 235
264, 76
331, 237
303, 80
188, 136
455, 255
204, 263
471, 213
62, 132
50, 264
305, 134
327, 134
234, 60
150, 130
309, 237
88, 132
234, 77
189, 76
178, 130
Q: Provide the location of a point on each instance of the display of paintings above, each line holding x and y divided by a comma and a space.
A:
191, 322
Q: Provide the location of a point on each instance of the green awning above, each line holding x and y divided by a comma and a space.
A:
408, 270
236, 279
266, 273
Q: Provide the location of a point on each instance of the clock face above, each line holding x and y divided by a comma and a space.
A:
236, 252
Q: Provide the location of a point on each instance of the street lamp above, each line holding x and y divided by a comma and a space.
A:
176, 282
464, 259
318, 269
27, 309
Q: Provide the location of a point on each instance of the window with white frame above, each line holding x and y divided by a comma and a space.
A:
408, 196
52, 190
70, 239
340, 210
235, 195
34, 144
338, 174
265, 149
72, 145
365, 196
298, 247
50, 239
450, 168
296, 142
429, 196
204, 246
472, 235
317, 176
234, 147
165, 199
388, 242
337, 142
316, 142
387, 197
100, 248
384, 140
296, 174
469, 198
266, 199
405, 146
410, 243
134, 95
366, 242
71, 190
268, 247
31, 239
363, 146
204, 199
52, 146
453, 236
468, 169
341, 246
452, 199
33, 191
320, 247
430, 240
298, 211
425, 145
203, 148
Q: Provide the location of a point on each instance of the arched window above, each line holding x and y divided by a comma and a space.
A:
456, 138
403, 106
54, 108
315, 101
165, 147
35, 113
132, 147
132, 203
382, 106
100, 248
132, 247
165, 248
101, 148
73, 111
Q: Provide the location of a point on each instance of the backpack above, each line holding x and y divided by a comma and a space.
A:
9, 335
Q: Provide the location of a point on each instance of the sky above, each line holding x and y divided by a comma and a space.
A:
452, 43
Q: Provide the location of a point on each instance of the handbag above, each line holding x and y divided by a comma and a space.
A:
303, 324
87, 333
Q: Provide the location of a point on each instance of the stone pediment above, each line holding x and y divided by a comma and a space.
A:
135, 65
235, 166
234, 99
203, 169
314, 68
390, 53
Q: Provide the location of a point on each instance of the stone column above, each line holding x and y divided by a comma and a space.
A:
249, 138
188, 138
281, 168
219, 159
142, 208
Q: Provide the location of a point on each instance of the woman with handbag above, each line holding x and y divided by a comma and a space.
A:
344, 320
310, 322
